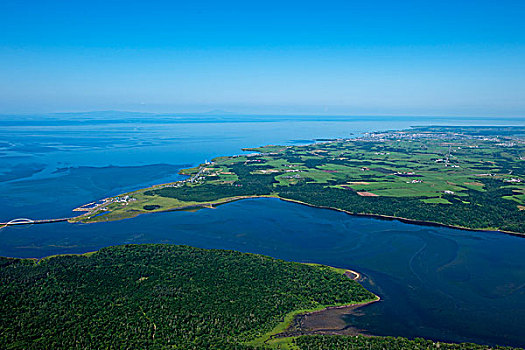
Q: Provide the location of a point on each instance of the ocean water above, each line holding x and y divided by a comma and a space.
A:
438, 283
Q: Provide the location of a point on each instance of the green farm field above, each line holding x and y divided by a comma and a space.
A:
465, 177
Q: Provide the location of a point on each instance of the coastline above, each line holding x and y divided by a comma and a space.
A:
204, 205
277, 315
80, 218
406, 220
191, 173
283, 330
376, 216
326, 321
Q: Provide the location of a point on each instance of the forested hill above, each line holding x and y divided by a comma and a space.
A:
172, 297
158, 296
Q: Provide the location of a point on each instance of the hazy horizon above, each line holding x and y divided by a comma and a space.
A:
230, 114
338, 57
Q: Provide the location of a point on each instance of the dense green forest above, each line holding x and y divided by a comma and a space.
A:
322, 342
158, 296
165, 296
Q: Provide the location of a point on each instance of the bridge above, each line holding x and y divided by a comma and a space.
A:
20, 221
26, 221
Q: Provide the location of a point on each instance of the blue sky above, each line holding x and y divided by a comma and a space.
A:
322, 57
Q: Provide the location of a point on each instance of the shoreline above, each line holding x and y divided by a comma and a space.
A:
210, 205
225, 200
283, 329
204, 205
330, 324
289, 320
406, 220
356, 274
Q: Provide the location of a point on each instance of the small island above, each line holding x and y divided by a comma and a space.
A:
463, 177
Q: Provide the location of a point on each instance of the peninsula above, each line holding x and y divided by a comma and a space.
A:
464, 177
160, 296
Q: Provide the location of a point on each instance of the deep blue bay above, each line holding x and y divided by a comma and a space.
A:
435, 282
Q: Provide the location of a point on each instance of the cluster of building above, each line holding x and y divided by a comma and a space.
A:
403, 135
124, 200
442, 135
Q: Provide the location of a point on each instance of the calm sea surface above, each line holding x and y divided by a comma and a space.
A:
438, 283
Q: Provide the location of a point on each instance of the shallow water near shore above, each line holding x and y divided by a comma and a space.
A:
434, 282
